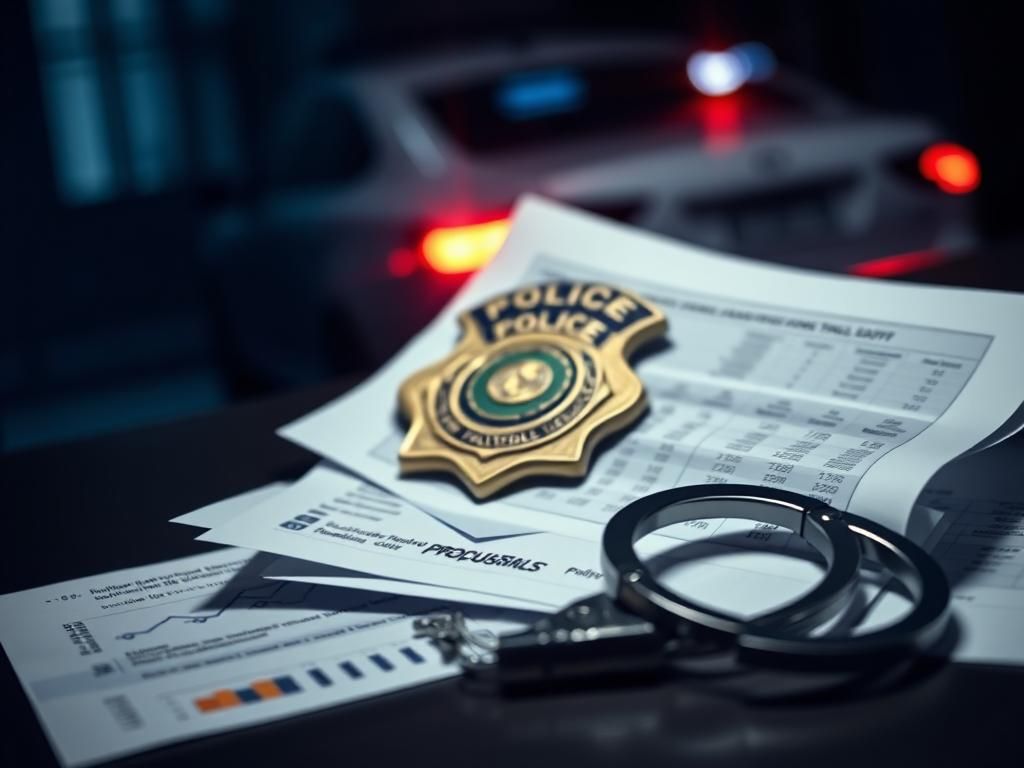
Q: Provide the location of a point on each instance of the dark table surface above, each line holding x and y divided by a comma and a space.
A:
99, 505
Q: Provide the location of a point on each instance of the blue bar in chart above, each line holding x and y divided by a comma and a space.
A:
411, 655
351, 670
287, 684
319, 677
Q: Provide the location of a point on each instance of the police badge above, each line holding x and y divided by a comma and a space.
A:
539, 377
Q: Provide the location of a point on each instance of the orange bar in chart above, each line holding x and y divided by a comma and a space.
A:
267, 689
226, 698
208, 704
218, 700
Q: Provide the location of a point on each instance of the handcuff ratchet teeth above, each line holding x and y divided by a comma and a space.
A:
638, 625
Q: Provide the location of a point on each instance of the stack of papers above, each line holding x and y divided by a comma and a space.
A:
854, 391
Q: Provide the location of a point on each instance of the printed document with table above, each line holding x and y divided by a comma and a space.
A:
848, 390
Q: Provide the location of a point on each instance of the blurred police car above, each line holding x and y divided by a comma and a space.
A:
392, 182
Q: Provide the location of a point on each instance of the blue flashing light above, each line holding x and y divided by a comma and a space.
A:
757, 59
531, 95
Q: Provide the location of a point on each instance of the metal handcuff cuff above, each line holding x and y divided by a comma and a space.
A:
638, 625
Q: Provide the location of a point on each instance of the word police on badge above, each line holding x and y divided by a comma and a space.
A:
539, 377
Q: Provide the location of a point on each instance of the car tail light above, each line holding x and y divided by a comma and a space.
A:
898, 264
460, 249
952, 168
945, 166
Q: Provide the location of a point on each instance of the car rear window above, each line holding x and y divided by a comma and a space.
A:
554, 105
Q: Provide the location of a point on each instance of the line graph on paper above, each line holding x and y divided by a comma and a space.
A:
267, 596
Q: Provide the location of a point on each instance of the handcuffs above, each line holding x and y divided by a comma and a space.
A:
637, 625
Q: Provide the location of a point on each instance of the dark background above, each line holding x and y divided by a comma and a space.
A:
107, 319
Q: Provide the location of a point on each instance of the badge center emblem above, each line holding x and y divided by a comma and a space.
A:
514, 383
520, 381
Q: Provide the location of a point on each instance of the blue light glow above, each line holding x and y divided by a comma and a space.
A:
757, 59
537, 94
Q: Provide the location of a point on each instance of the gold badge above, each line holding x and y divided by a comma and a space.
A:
539, 377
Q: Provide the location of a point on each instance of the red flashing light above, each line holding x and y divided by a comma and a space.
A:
456, 250
953, 169
721, 123
899, 264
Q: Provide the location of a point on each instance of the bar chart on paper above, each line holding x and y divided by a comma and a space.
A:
156, 654
258, 690
356, 671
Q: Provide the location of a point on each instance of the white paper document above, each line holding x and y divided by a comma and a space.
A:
849, 390
121, 662
291, 569
331, 518
226, 509
247, 516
